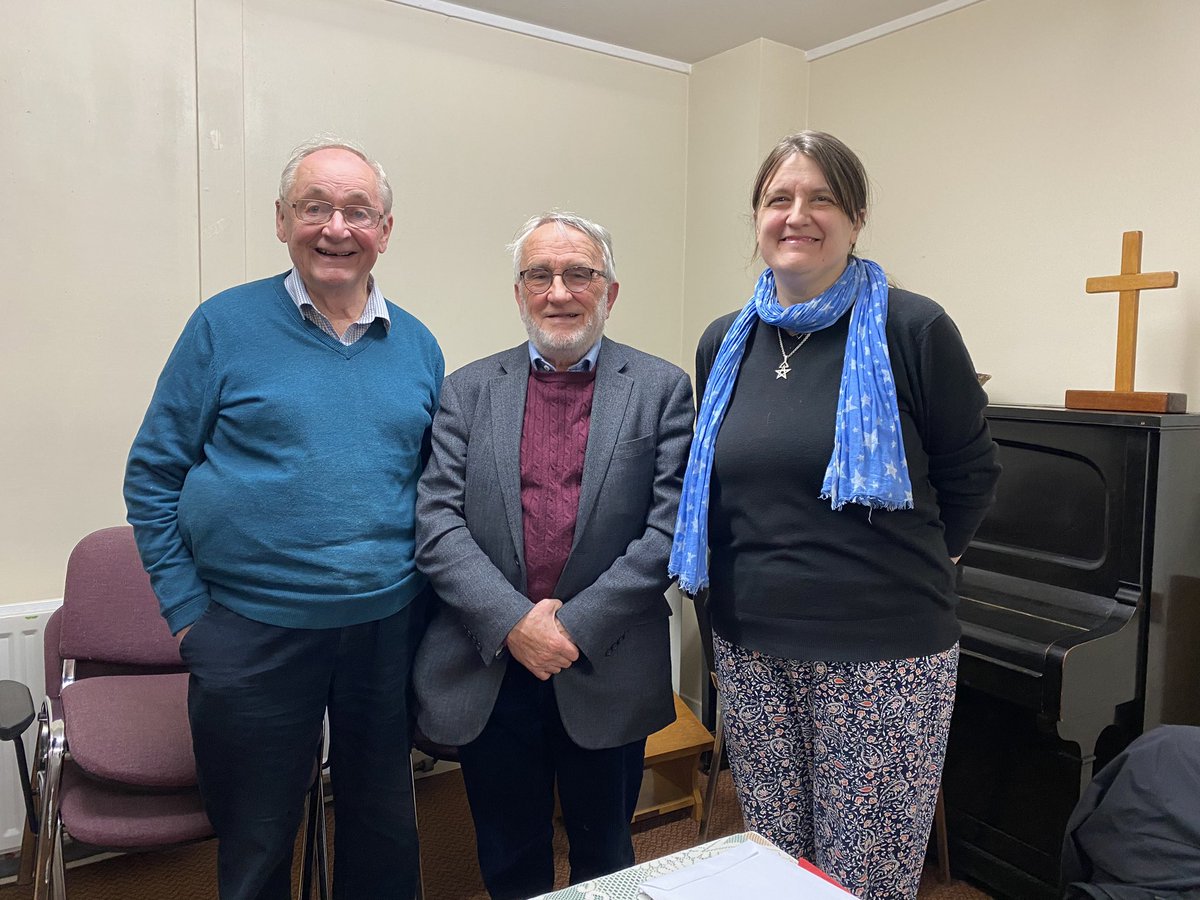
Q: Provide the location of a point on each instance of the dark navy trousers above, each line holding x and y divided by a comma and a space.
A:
510, 772
256, 699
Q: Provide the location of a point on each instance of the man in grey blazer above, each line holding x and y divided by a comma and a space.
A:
544, 521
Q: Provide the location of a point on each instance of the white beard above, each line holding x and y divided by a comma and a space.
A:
571, 344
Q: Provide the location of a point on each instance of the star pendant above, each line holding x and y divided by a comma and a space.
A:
782, 371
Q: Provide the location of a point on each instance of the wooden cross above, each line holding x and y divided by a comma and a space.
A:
1130, 283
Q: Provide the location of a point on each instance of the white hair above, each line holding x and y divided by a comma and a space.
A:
326, 141
597, 234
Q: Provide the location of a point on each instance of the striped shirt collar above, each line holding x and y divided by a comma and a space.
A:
584, 365
376, 308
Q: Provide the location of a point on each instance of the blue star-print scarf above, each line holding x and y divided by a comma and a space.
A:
867, 467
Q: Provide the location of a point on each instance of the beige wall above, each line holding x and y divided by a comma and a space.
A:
1010, 144
99, 260
482, 128
740, 103
142, 151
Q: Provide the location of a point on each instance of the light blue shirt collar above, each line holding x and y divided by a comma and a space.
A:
584, 365
375, 308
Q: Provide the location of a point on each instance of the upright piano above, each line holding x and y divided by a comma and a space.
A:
1080, 607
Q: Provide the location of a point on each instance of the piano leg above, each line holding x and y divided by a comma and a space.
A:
1085, 739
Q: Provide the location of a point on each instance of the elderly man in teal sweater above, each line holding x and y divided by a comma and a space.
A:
271, 488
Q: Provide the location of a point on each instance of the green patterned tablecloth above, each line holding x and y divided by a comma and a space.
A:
623, 885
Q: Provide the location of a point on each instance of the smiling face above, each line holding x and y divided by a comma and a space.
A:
563, 325
333, 260
802, 232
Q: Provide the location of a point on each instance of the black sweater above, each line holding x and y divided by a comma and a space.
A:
789, 576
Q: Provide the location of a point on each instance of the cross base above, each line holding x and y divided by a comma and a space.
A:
1128, 401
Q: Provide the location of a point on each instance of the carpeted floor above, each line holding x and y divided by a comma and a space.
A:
447, 850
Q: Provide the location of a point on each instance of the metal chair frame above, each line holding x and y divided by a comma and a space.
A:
42, 860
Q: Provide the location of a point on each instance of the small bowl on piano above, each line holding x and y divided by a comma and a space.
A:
983, 377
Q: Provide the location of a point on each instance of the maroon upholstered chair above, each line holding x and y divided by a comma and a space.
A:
113, 762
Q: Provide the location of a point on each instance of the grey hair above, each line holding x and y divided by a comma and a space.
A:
597, 234
326, 141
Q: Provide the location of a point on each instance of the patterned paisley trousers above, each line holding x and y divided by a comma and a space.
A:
840, 762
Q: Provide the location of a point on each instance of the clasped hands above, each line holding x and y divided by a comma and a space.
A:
540, 643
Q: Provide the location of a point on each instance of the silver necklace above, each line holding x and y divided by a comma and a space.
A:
784, 368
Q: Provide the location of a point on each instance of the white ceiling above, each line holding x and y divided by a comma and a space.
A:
691, 30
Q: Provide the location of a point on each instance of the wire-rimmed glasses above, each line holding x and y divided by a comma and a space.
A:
318, 212
576, 279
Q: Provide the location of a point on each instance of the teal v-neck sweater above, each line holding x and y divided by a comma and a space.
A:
276, 470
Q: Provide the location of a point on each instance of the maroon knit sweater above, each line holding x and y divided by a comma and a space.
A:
558, 412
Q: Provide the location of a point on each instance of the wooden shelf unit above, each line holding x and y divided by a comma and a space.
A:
671, 781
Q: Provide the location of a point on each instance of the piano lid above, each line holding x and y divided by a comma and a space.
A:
1029, 626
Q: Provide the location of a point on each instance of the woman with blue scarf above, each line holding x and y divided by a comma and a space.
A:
841, 464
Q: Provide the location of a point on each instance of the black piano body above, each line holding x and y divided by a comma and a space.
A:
1080, 606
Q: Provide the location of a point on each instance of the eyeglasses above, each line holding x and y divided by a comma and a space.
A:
575, 279
318, 212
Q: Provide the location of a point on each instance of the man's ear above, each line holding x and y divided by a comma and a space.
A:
613, 288
385, 232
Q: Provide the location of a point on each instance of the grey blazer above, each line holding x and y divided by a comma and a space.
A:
470, 544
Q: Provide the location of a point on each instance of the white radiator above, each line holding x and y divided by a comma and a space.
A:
21, 627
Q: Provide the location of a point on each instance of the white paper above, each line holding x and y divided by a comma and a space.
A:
747, 870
